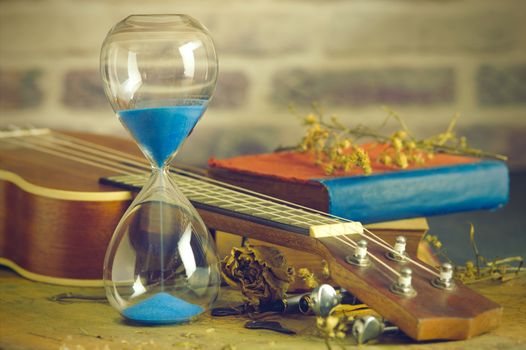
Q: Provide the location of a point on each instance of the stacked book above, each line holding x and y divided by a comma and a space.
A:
445, 184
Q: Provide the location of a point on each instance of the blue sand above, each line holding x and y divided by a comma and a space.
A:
419, 192
160, 131
162, 308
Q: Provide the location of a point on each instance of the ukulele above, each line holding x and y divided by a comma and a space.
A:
62, 195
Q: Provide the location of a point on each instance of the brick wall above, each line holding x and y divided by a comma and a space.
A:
425, 59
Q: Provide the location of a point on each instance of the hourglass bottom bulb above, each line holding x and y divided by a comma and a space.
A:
161, 266
162, 308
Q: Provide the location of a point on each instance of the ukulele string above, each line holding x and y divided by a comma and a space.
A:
93, 148
60, 154
416, 263
139, 162
78, 154
86, 146
348, 241
50, 151
125, 157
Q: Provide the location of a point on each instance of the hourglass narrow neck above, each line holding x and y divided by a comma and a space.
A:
162, 170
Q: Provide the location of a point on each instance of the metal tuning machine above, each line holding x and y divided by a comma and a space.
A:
399, 254
367, 328
445, 280
403, 285
320, 301
359, 258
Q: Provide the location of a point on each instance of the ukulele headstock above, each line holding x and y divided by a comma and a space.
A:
426, 303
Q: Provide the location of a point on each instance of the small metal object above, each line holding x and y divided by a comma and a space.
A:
403, 285
399, 254
445, 280
367, 328
228, 311
320, 301
359, 258
268, 325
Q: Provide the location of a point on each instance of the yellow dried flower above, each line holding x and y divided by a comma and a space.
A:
346, 164
334, 142
308, 277
397, 143
400, 134
329, 168
401, 160
310, 119
386, 159
463, 143
411, 145
326, 272
418, 159
333, 153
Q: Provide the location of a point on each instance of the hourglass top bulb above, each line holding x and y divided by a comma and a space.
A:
159, 73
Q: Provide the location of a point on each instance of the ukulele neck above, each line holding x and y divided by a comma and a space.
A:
246, 205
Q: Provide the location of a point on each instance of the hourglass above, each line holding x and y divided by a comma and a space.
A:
159, 73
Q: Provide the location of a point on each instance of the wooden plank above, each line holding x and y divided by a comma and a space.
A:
28, 320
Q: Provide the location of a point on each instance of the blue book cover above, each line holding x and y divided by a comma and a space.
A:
446, 184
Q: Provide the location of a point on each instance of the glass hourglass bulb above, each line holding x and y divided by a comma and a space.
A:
159, 73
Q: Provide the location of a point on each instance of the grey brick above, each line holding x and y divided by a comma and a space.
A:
503, 139
501, 85
444, 29
232, 90
254, 34
19, 89
395, 86
83, 90
227, 140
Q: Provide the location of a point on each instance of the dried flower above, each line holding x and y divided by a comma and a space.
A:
386, 159
396, 143
310, 119
261, 272
401, 160
332, 144
308, 277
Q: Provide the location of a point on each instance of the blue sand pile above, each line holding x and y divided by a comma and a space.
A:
162, 308
160, 131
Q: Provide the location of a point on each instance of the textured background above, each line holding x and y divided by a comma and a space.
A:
426, 59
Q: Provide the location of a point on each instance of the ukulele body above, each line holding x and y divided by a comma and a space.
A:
55, 217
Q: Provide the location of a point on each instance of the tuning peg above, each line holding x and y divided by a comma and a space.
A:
445, 280
399, 254
366, 328
359, 258
403, 285
320, 301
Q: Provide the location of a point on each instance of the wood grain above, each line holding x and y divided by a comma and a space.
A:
67, 238
30, 321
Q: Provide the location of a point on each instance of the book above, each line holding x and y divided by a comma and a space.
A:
444, 184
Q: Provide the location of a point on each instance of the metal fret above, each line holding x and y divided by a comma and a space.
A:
237, 202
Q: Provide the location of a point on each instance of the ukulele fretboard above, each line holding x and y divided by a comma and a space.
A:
234, 202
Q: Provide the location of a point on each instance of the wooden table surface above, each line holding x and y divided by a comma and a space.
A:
29, 320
